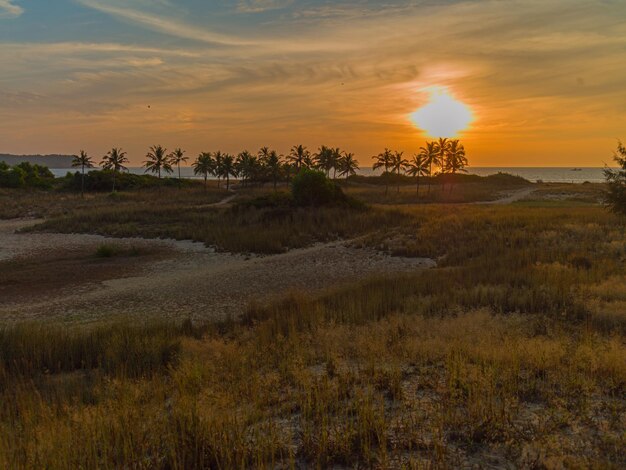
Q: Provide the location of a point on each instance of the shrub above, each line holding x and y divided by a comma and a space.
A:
615, 197
105, 251
11, 177
25, 175
280, 200
313, 188
36, 176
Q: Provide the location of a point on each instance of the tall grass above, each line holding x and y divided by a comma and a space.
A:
511, 353
250, 229
28, 350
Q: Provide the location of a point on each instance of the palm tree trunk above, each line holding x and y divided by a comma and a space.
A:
82, 183
227, 181
398, 187
179, 180
114, 171
418, 186
205, 184
430, 175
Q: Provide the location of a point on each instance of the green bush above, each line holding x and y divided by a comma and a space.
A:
36, 176
11, 177
25, 175
313, 188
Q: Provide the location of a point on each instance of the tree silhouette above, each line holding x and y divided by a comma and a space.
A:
274, 166
430, 155
228, 168
157, 161
324, 159
218, 158
114, 160
83, 161
335, 160
205, 166
418, 166
615, 197
398, 163
299, 156
246, 166
383, 160
456, 161
348, 165
176, 158
442, 145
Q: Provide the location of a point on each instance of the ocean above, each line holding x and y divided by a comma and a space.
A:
534, 174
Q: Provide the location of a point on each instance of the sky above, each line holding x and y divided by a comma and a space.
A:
545, 80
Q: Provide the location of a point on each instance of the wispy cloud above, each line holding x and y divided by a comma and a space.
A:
8, 9
257, 6
167, 25
346, 74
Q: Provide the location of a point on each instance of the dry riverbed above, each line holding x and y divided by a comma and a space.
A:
60, 276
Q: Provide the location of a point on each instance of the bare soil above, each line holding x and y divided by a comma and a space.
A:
57, 276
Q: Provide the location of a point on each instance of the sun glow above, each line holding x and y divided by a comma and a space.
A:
443, 115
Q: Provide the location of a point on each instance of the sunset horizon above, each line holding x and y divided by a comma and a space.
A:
540, 80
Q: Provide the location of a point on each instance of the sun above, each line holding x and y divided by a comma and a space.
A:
443, 115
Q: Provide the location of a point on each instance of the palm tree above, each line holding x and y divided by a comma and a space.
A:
299, 156
383, 160
442, 145
228, 168
324, 159
397, 164
274, 166
83, 161
430, 154
335, 160
158, 160
218, 158
114, 160
457, 160
176, 158
263, 153
246, 165
205, 166
348, 165
418, 166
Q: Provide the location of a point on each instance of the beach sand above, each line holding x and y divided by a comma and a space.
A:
188, 280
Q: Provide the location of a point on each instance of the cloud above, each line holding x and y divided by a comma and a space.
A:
333, 74
258, 6
162, 24
9, 10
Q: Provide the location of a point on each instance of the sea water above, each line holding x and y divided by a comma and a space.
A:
534, 174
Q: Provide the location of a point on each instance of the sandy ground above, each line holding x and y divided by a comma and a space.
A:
511, 197
194, 282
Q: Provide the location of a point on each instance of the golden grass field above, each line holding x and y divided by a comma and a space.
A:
510, 353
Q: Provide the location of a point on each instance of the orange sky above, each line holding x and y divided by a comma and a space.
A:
546, 80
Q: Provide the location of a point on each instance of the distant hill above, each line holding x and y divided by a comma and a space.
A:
51, 161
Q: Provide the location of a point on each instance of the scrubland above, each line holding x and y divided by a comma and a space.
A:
510, 353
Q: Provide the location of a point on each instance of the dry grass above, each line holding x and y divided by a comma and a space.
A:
407, 194
240, 228
35, 203
510, 354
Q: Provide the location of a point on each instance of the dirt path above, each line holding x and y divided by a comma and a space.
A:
196, 282
514, 196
